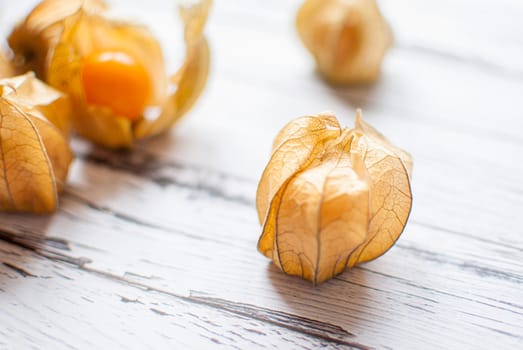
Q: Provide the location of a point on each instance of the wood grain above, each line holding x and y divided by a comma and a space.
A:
156, 248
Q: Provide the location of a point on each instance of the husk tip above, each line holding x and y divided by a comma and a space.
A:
359, 115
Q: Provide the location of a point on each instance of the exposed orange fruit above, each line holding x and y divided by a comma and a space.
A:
117, 81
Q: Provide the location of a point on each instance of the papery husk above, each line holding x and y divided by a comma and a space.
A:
34, 153
331, 197
85, 31
348, 38
32, 94
191, 78
6, 67
85, 34
33, 39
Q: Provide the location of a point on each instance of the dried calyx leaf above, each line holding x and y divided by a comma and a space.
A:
34, 153
33, 39
348, 38
115, 73
330, 197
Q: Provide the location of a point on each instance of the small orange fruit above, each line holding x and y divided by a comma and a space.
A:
115, 80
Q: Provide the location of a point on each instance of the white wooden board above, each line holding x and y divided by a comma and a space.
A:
157, 248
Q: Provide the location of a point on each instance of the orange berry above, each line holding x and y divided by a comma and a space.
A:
117, 81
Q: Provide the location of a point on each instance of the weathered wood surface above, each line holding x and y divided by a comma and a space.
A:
156, 248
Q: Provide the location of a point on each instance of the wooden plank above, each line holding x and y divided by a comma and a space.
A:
180, 248
81, 308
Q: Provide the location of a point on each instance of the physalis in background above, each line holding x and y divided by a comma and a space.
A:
113, 70
331, 197
348, 38
34, 153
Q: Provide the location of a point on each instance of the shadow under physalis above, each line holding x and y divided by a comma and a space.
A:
331, 197
112, 69
34, 152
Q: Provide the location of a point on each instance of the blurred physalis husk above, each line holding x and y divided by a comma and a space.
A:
347, 38
6, 67
331, 197
33, 39
57, 37
34, 152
